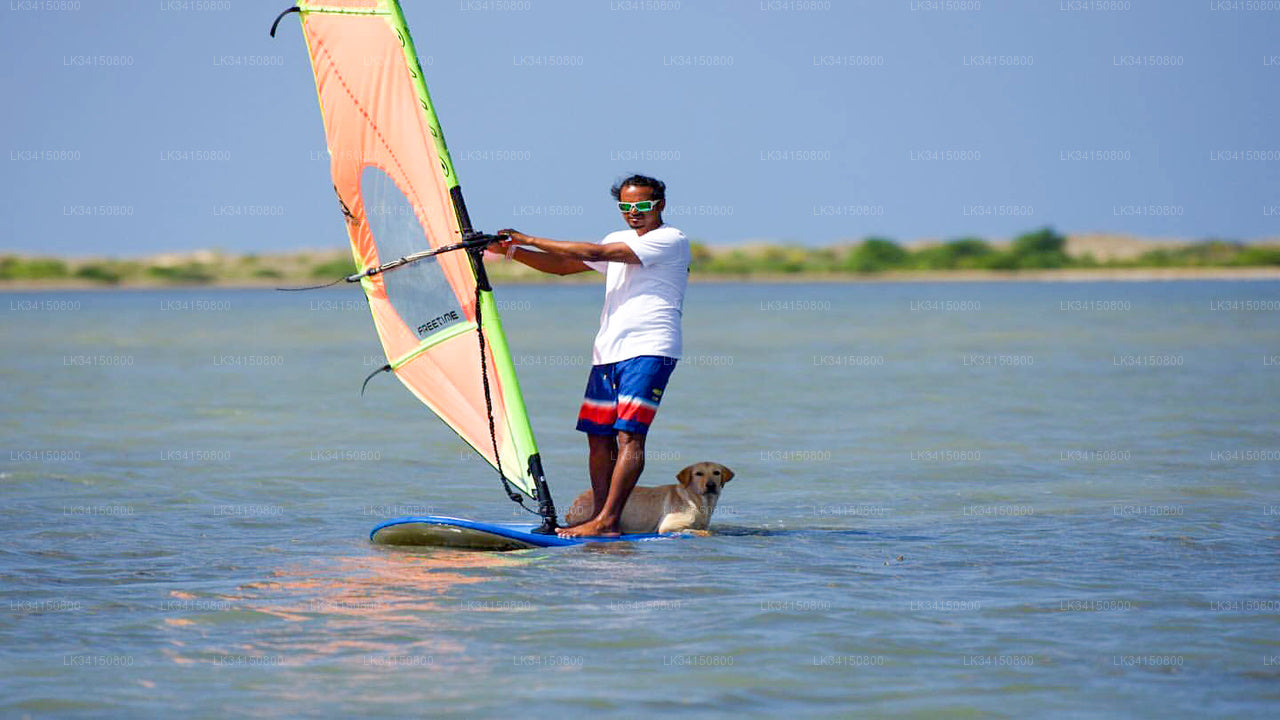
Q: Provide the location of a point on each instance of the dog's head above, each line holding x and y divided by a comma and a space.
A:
705, 478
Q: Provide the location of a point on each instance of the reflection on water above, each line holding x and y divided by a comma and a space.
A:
353, 605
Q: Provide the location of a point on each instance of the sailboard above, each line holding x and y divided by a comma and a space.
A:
421, 262
474, 535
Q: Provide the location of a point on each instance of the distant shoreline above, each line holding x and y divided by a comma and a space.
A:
941, 276
1038, 256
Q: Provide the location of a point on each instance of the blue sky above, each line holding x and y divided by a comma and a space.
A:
142, 127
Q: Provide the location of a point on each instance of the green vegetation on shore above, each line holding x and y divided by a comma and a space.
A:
202, 268
1042, 249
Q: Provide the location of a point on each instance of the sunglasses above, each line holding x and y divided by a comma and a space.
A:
642, 206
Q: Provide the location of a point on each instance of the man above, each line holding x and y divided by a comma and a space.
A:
646, 272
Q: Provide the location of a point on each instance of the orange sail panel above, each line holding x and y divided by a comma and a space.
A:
393, 176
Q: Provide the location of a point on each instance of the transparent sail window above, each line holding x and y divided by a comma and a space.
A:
418, 291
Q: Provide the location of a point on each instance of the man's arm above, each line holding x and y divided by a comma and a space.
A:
579, 252
547, 262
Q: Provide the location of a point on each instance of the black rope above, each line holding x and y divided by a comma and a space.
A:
280, 17
384, 368
515, 496
311, 287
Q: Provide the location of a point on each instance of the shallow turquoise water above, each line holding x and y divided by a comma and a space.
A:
966, 499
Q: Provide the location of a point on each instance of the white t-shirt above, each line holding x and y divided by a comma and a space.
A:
643, 303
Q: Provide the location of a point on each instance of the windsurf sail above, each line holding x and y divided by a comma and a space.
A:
421, 262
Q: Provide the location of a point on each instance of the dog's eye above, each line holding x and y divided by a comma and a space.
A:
698, 474
715, 472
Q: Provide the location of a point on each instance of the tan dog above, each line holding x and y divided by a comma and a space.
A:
666, 508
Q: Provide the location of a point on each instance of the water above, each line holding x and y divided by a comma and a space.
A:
996, 500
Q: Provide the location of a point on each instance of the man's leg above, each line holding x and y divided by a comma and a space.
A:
596, 418
602, 451
626, 472
618, 486
617, 460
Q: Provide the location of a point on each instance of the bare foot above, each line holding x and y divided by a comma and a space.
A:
594, 527
595, 513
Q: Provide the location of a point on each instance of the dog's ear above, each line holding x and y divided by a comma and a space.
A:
685, 476
727, 474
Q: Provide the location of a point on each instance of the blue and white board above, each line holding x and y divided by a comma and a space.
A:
440, 531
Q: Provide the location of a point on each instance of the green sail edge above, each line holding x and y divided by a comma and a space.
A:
396, 18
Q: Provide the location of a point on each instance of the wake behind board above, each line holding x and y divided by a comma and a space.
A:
451, 532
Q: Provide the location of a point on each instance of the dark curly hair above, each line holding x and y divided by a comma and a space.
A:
659, 187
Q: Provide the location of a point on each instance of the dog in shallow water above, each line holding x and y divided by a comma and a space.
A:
667, 508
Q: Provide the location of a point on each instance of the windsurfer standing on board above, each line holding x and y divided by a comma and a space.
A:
646, 272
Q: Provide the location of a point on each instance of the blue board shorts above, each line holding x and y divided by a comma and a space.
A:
624, 395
